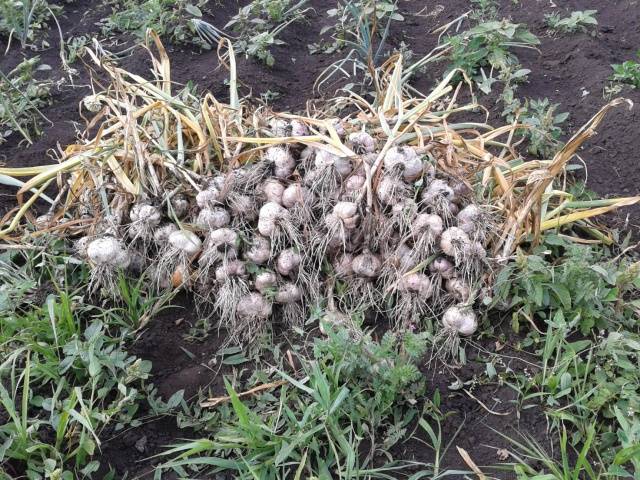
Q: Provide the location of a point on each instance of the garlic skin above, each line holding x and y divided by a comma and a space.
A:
405, 160
453, 240
443, 267
343, 266
390, 191
418, 283
295, 194
179, 205
161, 234
234, 268
325, 159
145, 213
288, 293
273, 191
427, 223
362, 142
80, 246
298, 128
283, 162
437, 189
460, 319
458, 289
223, 240
213, 194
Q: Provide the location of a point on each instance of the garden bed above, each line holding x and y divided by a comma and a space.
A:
477, 407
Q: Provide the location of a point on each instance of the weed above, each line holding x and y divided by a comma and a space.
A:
349, 18
627, 72
350, 402
583, 285
75, 47
541, 117
21, 97
529, 452
168, 18
484, 9
591, 383
62, 379
488, 46
139, 304
258, 25
23, 18
578, 21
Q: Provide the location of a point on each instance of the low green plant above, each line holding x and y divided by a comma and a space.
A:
75, 47
346, 31
542, 119
138, 303
484, 9
582, 284
22, 19
578, 21
65, 374
21, 97
257, 25
487, 47
570, 466
627, 72
489, 44
588, 380
350, 401
171, 19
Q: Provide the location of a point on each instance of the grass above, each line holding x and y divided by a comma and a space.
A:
65, 373
341, 401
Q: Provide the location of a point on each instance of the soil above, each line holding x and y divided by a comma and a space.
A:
571, 70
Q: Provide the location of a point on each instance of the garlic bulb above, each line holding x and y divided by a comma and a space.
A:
265, 281
108, 251
211, 218
260, 250
288, 262
460, 319
367, 265
185, 241
253, 307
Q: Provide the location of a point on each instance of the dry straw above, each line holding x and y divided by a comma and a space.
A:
151, 142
